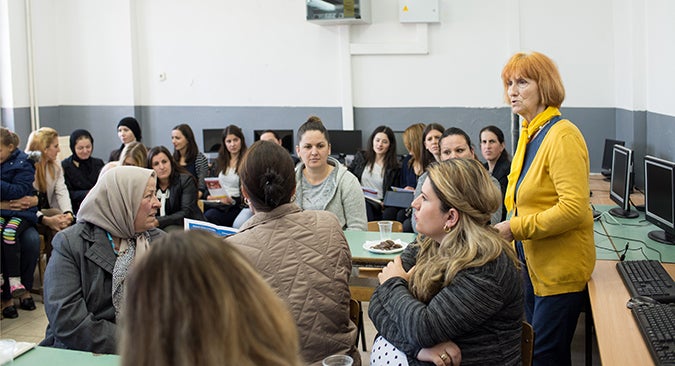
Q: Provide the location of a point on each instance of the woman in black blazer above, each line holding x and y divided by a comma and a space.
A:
378, 168
497, 160
176, 191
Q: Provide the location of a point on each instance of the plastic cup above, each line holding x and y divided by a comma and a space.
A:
338, 360
7, 347
385, 230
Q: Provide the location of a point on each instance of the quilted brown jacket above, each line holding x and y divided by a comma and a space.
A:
305, 258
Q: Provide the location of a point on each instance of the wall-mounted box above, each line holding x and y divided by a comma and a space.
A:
328, 12
419, 11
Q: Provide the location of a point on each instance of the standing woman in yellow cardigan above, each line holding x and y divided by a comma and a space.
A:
547, 195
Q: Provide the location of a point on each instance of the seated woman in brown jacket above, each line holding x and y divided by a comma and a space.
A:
303, 255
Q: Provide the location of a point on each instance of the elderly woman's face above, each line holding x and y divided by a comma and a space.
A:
145, 217
524, 97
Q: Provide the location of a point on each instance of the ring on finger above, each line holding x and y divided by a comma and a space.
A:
443, 356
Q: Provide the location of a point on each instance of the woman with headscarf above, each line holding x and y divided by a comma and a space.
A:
85, 275
128, 130
80, 170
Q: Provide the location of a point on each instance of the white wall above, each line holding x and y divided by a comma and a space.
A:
660, 50
611, 53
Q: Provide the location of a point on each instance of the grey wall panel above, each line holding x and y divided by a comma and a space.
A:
596, 124
160, 120
631, 126
660, 136
471, 120
17, 120
645, 132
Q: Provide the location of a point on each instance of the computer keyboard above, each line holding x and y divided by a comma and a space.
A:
647, 278
657, 325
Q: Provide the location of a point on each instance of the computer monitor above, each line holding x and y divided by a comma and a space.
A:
344, 143
286, 137
621, 182
660, 198
213, 138
607, 156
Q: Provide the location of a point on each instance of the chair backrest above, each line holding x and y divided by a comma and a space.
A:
354, 309
396, 226
527, 344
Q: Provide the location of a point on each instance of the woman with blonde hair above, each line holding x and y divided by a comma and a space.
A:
133, 154
412, 166
55, 211
465, 286
245, 323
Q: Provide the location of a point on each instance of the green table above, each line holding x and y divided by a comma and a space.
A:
612, 234
361, 256
62, 357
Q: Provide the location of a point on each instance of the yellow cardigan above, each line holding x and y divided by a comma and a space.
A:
555, 220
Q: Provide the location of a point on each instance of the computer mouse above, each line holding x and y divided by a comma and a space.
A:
636, 301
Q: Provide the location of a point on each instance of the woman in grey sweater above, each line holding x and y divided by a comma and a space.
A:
461, 284
322, 183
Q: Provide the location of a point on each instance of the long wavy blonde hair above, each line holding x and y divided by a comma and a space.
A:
239, 320
412, 139
39, 140
465, 185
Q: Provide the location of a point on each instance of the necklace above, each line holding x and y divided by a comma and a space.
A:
112, 243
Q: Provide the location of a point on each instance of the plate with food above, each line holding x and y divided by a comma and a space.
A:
389, 246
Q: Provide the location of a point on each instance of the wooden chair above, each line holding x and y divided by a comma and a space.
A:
361, 289
354, 310
41, 266
527, 344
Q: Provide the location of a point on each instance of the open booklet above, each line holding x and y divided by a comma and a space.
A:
191, 224
15, 348
216, 190
371, 194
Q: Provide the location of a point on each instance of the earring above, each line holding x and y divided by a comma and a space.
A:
446, 228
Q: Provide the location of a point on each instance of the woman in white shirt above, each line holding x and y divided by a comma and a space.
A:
227, 169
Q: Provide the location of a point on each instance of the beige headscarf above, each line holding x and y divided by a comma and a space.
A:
113, 202
112, 205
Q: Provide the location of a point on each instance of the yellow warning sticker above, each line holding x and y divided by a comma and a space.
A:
405, 8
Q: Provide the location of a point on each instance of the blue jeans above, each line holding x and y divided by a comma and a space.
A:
554, 319
30, 251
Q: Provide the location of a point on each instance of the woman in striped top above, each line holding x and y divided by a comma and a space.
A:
459, 287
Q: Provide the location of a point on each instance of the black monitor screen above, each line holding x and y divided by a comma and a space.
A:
607, 155
620, 183
659, 197
286, 137
213, 138
344, 142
